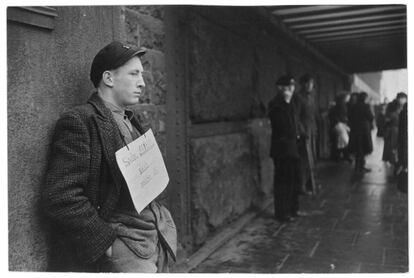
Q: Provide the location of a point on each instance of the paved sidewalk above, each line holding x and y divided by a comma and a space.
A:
355, 224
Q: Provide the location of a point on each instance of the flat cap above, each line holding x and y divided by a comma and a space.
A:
285, 80
112, 56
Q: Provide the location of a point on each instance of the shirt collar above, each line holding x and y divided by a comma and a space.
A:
118, 110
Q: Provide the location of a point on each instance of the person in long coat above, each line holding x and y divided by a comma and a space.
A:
350, 109
307, 116
360, 118
284, 150
402, 181
380, 118
391, 133
391, 129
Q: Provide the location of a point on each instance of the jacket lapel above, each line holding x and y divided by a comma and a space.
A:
110, 137
138, 126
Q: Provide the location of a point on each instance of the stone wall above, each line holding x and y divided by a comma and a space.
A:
234, 60
220, 73
260, 133
223, 180
48, 72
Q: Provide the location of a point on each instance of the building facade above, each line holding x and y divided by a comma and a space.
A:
209, 72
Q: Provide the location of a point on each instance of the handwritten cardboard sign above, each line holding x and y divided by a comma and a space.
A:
143, 168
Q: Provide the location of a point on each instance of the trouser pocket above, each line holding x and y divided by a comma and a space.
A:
123, 259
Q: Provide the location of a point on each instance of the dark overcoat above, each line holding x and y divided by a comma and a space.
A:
285, 155
306, 113
284, 129
360, 122
83, 181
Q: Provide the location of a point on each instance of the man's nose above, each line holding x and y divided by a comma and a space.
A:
141, 82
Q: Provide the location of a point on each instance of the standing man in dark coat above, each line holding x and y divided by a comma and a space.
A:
350, 108
391, 133
360, 142
307, 113
284, 150
85, 194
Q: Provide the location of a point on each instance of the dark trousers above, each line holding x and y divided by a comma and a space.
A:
285, 186
359, 162
336, 155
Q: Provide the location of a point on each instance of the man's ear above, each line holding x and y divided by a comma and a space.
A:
108, 78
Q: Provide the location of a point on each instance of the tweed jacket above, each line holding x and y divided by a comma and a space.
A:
83, 181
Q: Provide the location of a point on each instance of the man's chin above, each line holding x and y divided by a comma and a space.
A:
133, 101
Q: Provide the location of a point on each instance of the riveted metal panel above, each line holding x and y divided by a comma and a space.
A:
177, 121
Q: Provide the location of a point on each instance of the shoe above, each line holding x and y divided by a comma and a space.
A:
301, 213
291, 219
296, 215
285, 219
305, 192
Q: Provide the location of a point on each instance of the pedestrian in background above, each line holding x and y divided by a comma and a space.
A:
284, 150
390, 152
402, 172
360, 118
338, 118
307, 115
353, 99
380, 117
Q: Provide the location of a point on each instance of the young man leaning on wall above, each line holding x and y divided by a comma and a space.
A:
85, 193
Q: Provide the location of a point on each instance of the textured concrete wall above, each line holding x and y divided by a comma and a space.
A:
270, 63
234, 61
223, 181
260, 133
48, 72
220, 73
